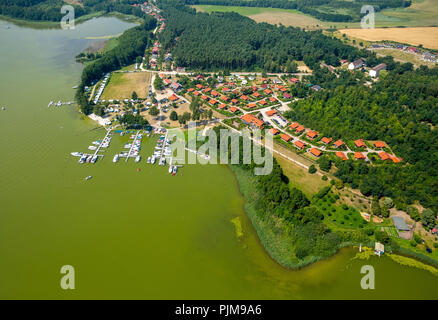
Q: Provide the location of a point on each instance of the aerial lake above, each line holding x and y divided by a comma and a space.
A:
133, 234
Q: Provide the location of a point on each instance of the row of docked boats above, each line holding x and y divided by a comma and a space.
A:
88, 158
95, 146
134, 149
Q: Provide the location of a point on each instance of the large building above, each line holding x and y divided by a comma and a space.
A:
374, 72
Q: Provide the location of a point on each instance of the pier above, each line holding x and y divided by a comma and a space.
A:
132, 146
101, 143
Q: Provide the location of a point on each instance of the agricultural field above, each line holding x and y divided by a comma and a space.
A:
425, 36
403, 56
121, 85
420, 13
269, 15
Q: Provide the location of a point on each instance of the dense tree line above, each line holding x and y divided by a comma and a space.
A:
327, 10
50, 10
38, 10
210, 41
400, 109
132, 44
276, 201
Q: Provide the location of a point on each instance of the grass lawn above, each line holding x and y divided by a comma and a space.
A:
121, 85
404, 57
391, 231
339, 216
300, 178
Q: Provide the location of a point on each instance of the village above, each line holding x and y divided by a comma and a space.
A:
238, 100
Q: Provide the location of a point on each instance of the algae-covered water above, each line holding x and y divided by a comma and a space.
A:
131, 234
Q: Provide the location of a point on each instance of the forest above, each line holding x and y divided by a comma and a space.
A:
404, 118
328, 10
50, 10
210, 42
37, 10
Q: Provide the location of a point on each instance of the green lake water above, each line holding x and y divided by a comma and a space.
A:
132, 234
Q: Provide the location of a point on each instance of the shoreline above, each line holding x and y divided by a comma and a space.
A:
310, 261
49, 25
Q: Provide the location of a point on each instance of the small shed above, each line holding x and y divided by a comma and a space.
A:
379, 248
400, 223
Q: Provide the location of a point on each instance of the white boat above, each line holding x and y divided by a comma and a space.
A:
88, 178
92, 147
89, 159
153, 160
148, 160
170, 169
96, 143
116, 158
175, 170
83, 158
137, 159
94, 159
76, 154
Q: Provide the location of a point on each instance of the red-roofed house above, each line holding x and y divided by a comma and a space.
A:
173, 98
215, 93
274, 131
196, 93
224, 98
270, 113
294, 125
326, 140
338, 143
395, 159
300, 145
315, 152
267, 91
251, 105
234, 101
263, 102
190, 90
384, 156
379, 144
199, 86
360, 144
252, 121
222, 106
286, 137
233, 109
207, 90
244, 97
213, 102
341, 155
204, 97
256, 94
359, 156
312, 134
299, 129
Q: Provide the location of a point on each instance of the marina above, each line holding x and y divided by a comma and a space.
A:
96, 147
